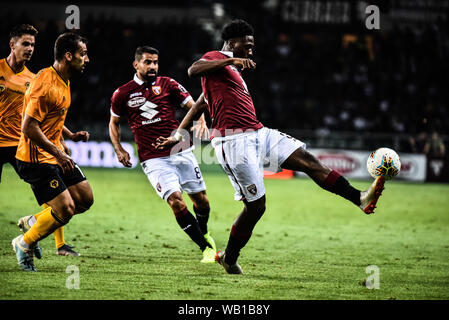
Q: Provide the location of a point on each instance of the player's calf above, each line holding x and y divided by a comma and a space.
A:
326, 178
242, 228
186, 220
201, 208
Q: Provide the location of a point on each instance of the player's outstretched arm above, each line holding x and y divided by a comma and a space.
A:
114, 134
77, 136
32, 130
203, 67
194, 114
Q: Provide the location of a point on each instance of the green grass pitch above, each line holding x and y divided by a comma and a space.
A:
310, 244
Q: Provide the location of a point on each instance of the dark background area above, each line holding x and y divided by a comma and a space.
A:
321, 75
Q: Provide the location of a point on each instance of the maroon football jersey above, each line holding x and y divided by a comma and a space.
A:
150, 110
229, 102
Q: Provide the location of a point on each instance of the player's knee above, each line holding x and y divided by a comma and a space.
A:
257, 207
66, 210
176, 202
261, 208
202, 203
85, 203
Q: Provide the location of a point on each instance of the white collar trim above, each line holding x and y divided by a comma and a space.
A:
140, 82
228, 53
136, 79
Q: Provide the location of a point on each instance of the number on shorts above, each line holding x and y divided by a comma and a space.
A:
197, 172
287, 136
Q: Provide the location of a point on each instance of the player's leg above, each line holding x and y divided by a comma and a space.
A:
48, 187
191, 181
186, 220
333, 181
25, 223
241, 233
241, 160
60, 210
163, 176
82, 195
201, 207
79, 189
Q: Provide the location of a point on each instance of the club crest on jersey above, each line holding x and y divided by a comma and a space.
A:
233, 68
158, 187
252, 189
54, 183
135, 94
156, 90
136, 102
2, 88
61, 112
27, 85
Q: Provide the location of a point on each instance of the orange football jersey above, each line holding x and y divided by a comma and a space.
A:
12, 91
47, 100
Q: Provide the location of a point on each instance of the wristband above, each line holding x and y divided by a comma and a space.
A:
178, 136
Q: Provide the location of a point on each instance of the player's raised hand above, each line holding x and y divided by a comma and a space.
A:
124, 158
80, 136
244, 63
163, 142
65, 162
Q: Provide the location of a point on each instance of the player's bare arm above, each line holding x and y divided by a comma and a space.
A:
32, 130
114, 134
194, 114
203, 67
77, 136
200, 126
64, 145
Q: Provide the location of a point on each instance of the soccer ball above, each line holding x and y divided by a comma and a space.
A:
383, 162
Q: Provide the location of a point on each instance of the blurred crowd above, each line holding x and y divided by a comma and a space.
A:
323, 79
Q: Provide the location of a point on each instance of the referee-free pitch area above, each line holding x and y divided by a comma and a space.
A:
310, 244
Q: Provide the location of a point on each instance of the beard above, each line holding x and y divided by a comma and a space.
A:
148, 77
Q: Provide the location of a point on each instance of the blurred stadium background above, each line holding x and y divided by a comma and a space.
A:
322, 76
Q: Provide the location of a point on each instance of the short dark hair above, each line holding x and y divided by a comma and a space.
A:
144, 49
236, 29
67, 42
22, 29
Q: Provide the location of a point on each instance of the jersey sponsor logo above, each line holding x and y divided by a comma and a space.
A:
135, 94
54, 183
136, 102
252, 189
156, 90
149, 112
151, 121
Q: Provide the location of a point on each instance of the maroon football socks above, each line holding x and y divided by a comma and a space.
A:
190, 225
338, 184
